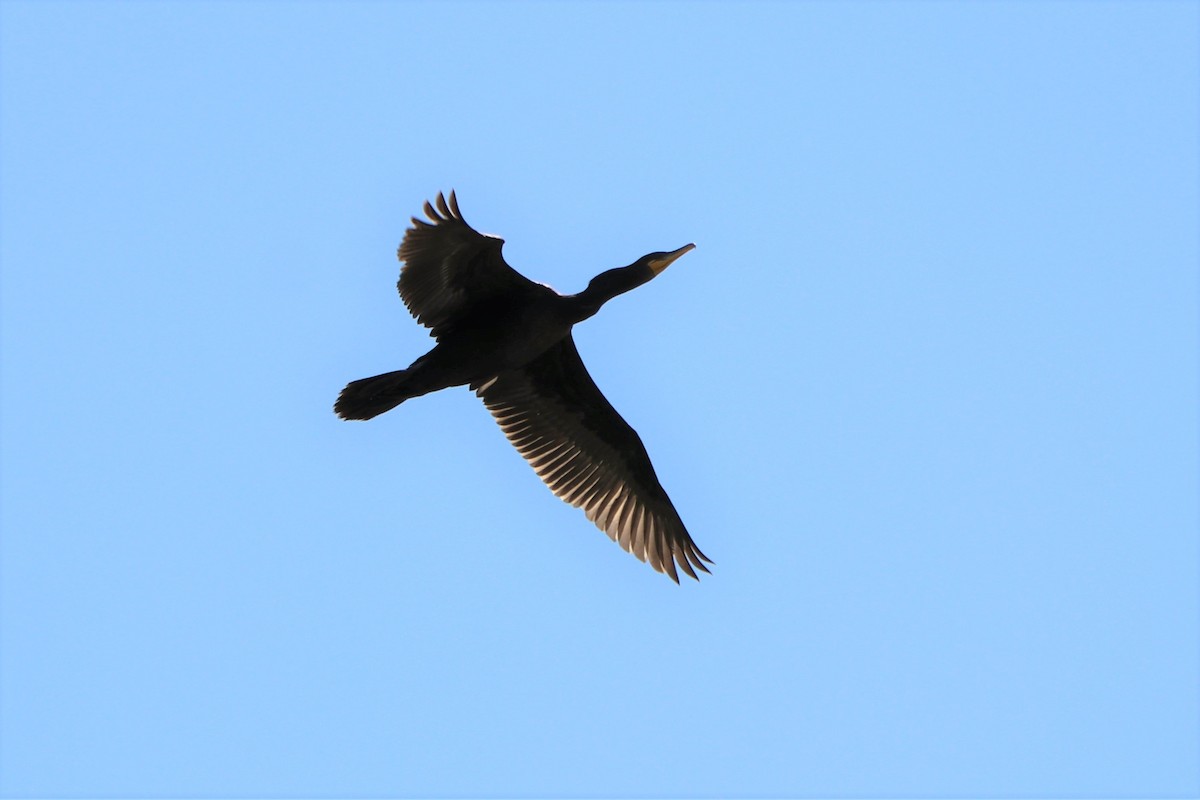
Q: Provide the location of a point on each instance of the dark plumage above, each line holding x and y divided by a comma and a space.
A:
509, 339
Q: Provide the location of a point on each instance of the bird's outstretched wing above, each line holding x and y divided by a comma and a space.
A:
450, 268
556, 417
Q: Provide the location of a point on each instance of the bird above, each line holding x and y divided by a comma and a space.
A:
509, 340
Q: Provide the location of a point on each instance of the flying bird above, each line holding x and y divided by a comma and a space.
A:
509, 340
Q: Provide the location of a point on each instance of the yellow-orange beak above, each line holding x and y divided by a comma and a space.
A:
665, 260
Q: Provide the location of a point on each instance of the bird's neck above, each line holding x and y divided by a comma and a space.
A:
605, 287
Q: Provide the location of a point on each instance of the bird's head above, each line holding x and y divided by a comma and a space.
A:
608, 285
657, 262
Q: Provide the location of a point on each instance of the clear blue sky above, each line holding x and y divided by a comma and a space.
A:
926, 392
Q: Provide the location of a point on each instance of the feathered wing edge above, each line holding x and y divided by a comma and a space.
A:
449, 266
444, 212
602, 469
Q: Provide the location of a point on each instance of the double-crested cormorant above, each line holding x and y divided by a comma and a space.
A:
509, 339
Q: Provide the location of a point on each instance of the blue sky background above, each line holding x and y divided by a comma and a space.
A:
926, 392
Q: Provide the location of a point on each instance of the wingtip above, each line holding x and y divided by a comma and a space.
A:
441, 210
682, 559
668, 569
691, 559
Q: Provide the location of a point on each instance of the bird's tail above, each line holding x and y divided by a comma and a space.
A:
370, 397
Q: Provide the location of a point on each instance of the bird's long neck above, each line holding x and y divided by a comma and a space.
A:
605, 287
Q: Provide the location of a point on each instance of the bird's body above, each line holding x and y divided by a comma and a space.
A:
509, 339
